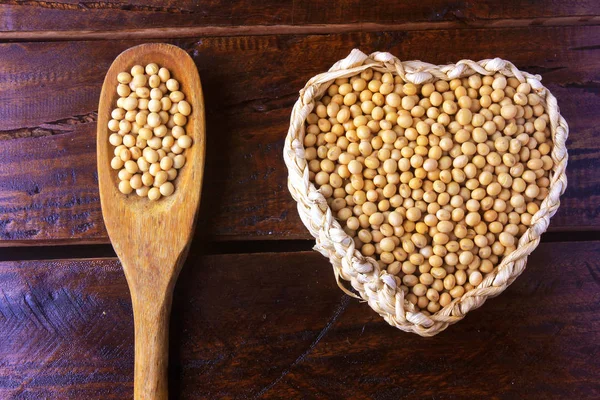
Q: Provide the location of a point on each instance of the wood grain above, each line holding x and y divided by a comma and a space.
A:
310, 29
276, 326
18, 16
49, 188
251, 84
152, 238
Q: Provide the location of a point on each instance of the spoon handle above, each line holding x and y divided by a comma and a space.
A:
151, 320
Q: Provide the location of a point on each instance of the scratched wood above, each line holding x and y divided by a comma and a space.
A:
251, 84
49, 188
276, 326
93, 15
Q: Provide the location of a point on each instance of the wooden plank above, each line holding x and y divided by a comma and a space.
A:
17, 16
251, 84
310, 29
34, 174
277, 326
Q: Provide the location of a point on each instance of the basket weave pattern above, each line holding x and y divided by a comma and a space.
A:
380, 289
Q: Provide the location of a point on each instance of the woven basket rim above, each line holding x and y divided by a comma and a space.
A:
380, 289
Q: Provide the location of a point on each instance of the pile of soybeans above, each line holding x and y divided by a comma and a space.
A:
148, 128
437, 182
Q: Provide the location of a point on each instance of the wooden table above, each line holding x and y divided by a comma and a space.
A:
256, 313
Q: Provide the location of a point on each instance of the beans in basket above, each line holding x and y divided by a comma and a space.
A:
437, 181
149, 131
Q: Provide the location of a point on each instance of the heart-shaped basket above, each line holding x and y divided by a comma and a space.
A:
380, 289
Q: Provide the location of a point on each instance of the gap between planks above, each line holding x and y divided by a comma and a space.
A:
309, 29
87, 251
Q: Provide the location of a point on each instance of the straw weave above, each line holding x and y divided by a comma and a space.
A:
380, 289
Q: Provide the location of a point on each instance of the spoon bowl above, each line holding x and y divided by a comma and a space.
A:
151, 238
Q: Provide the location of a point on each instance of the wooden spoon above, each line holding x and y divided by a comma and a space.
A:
152, 238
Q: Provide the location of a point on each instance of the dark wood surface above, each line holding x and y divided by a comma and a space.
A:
250, 86
271, 323
19, 16
276, 326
